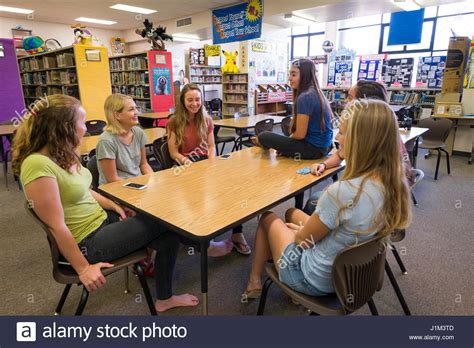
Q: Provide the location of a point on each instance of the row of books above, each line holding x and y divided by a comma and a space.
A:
204, 71
50, 77
37, 92
62, 60
241, 98
206, 79
143, 106
235, 88
234, 109
130, 78
133, 91
235, 78
410, 98
133, 63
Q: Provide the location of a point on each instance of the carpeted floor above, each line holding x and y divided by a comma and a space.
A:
437, 253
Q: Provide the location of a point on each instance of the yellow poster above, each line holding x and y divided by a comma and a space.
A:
212, 50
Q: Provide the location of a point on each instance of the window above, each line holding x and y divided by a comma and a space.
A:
360, 21
317, 28
316, 45
300, 46
364, 40
461, 25
299, 30
430, 12
456, 8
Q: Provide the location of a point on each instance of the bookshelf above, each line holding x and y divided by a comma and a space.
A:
273, 99
18, 36
205, 75
235, 94
130, 75
80, 71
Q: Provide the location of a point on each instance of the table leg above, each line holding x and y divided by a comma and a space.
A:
415, 152
241, 131
5, 160
204, 301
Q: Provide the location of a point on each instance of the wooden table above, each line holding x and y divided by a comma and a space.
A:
211, 197
155, 115
413, 133
89, 143
6, 131
242, 123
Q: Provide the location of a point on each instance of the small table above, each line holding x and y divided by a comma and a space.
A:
212, 196
413, 133
90, 143
242, 123
6, 131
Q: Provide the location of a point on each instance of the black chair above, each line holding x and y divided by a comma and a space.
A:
157, 152
162, 153
357, 273
285, 126
63, 273
215, 107
261, 126
92, 165
95, 127
146, 122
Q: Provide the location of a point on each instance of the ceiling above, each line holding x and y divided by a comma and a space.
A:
65, 11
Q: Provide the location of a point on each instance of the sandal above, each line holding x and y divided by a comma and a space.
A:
252, 294
242, 248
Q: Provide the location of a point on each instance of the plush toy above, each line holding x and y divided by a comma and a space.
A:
230, 65
155, 36
82, 35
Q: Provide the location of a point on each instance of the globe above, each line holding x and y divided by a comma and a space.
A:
328, 46
33, 44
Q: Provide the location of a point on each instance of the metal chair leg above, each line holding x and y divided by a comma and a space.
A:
447, 160
437, 165
125, 273
413, 198
146, 289
263, 296
60, 305
399, 260
82, 303
395, 286
372, 307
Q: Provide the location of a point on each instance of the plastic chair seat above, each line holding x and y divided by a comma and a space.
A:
431, 144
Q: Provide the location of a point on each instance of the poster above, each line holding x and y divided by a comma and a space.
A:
430, 71
370, 67
397, 72
340, 69
237, 23
161, 81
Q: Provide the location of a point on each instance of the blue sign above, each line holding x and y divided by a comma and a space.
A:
161, 81
237, 23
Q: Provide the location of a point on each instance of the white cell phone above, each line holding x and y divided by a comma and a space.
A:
226, 156
135, 186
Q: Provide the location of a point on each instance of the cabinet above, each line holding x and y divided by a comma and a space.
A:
235, 94
273, 99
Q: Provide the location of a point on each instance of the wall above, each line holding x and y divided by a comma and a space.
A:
61, 32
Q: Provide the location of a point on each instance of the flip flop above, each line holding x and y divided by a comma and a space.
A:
252, 294
242, 248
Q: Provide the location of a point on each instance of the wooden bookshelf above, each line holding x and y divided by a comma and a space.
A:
272, 99
130, 75
79, 71
235, 94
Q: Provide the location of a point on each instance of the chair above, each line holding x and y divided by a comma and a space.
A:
435, 137
215, 107
93, 167
410, 147
221, 139
357, 273
285, 126
157, 152
418, 175
95, 127
146, 122
63, 273
162, 153
162, 122
261, 126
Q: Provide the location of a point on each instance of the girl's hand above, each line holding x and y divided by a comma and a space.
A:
318, 169
119, 210
293, 227
129, 212
92, 277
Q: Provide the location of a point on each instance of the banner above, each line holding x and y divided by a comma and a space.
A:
237, 23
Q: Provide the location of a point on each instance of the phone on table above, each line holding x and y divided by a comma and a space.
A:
134, 186
226, 156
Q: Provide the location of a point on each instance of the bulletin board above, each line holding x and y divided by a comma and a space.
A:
161, 85
370, 67
430, 71
397, 72
340, 69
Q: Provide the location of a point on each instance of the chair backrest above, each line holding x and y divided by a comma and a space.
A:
264, 125
146, 122
216, 104
358, 272
285, 126
157, 152
95, 127
165, 156
56, 256
439, 128
93, 167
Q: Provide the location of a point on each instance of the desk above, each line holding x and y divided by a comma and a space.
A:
242, 123
413, 133
89, 143
210, 197
461, 138
6, 131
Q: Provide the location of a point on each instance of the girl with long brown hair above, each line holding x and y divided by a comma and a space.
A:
370, 199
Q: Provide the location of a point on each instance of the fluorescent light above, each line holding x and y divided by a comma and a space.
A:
93, 20
185, 38
15, 10
407, 5
132, 9
290, 17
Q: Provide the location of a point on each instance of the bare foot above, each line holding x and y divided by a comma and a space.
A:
185, 300
220, 248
